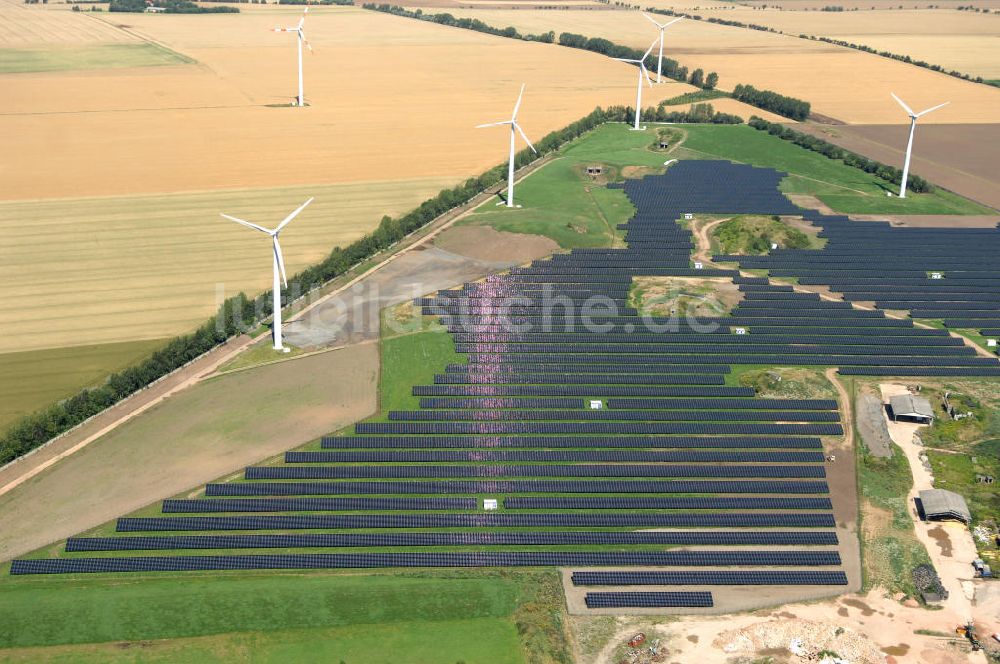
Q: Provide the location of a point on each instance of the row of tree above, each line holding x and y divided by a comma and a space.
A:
169, 7
837, 42
895, 56
789, 107
240, 314
671, 68
466, 23
884, 171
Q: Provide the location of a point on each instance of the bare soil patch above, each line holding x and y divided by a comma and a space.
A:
685, 296
485, 243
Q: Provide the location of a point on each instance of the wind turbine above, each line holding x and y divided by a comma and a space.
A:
909, 144
662, 27
642, 73
301, 34
279, 267
513, 127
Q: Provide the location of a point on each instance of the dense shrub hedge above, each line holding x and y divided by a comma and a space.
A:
888, 173
169, 7
790, 107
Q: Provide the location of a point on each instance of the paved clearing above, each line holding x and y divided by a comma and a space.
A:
198, 435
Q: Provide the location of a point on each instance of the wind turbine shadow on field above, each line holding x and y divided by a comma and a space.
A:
278, 264
514, 127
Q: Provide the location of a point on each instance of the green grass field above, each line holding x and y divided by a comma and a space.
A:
561, 202
91, 56
475, 617
34, 379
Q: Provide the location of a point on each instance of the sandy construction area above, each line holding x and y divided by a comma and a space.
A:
959, 157
841, 83
212, 429
966, 41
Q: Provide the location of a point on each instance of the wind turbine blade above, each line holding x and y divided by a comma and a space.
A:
306, 42
292, 215
247, 224
651, 20
649, 50
667, 25
517, 106
493, 124
521, 131
645, 72
277, 256
921, 113
624, 60
903, 104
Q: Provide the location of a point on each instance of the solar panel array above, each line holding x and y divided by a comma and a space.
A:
670, 444
648, 600
942, 274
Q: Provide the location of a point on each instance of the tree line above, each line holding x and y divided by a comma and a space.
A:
169, 7
888, 173
790, 107
445, 18
239, 314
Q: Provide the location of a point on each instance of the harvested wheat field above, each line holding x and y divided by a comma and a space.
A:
806, 5
24, 26
379, 137
965, 41
841, 83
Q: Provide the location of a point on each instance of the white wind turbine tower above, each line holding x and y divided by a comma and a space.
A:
279, 267
909, 143
301, 34
662, 27
514, 126
642, 74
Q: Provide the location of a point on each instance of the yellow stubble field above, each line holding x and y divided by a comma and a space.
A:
841, 83
965, 41
107, 242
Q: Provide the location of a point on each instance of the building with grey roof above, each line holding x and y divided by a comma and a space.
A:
940, 505
908, 408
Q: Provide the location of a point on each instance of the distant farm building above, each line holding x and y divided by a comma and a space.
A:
941, 505
595, 170
908, 408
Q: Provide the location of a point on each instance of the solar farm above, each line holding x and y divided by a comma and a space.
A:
632, 396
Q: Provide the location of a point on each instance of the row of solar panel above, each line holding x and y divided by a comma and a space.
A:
487, 520
500, 538
805, 359
712, 578
613, 415
538, 470
569, 378
471, 559
318, 504
548, 456
487, 442
568, 390
748, 347
648, 600
669, 338
804, 487
597, 427
527, 402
